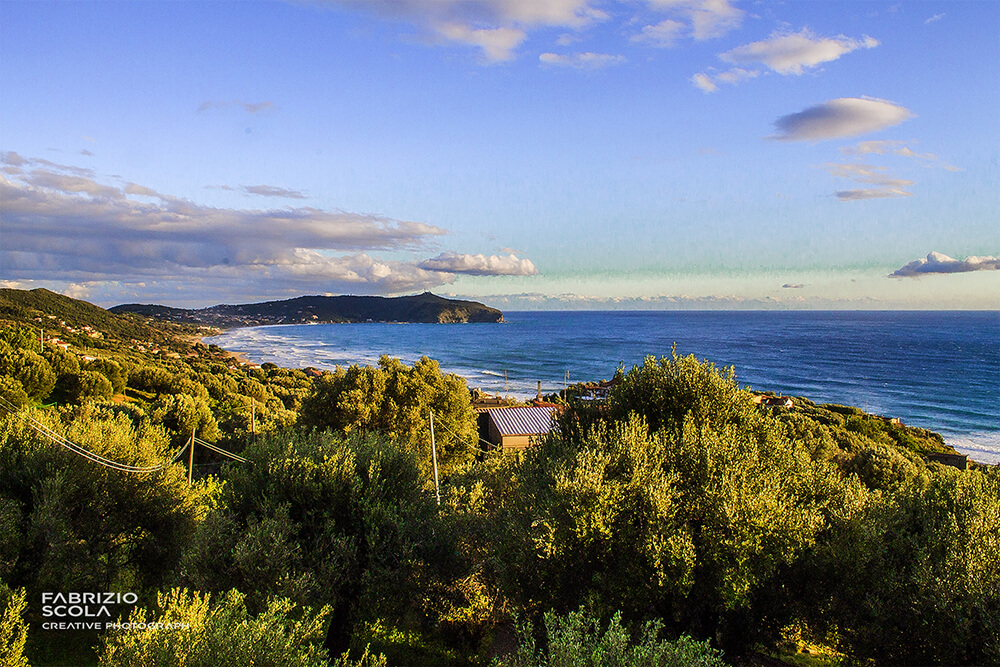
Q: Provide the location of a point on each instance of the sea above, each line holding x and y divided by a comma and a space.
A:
938, 370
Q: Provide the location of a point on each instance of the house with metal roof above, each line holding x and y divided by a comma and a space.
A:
516, 428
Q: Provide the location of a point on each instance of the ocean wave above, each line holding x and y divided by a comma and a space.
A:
981, 446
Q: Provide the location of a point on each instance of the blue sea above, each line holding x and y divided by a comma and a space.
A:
937, 370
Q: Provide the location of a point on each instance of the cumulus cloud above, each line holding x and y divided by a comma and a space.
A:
273, 191
707, 82
497, 27
704, 82
842, 117
249, 107
795, 53
69, 228
936, 262
480, 265
705, 18
664, 34
498, 44
581, 60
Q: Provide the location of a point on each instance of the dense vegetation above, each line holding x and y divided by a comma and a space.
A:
676, 523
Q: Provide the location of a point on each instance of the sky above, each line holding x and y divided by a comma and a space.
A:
529, 154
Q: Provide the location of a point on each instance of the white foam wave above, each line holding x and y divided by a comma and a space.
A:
981, 446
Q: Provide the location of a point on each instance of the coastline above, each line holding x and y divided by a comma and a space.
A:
817, 356
238, 357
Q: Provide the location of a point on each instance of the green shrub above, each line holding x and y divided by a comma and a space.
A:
13, 629
192, 632
576, 640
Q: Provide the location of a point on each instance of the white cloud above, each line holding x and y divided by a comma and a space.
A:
936, 17
480, 265
737, 74
707, 18
709, 83
794, 53
663, 34
861, 172
842, 117
273, 191
141, 190
498, 27
581, 60
900, 148
858, 172
67, 228
864, 173
498, 44
936, 262
870, 193
704, 82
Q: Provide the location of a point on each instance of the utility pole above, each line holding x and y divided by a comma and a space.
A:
434, 457
191, 457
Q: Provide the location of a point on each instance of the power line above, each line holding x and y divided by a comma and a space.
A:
79, 450
220, 450
460, 439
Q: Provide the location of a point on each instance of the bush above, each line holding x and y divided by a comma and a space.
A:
30, 369
576, 640
668, 391
205, 635
394, 400
320, 520
91, 384
13, 629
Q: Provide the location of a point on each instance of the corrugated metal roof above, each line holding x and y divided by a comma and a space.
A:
522, 421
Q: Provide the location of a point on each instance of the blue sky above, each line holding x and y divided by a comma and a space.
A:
527, 153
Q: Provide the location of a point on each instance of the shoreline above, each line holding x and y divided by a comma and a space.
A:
239, 357
487, 353
972, 444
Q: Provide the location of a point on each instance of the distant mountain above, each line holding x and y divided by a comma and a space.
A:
424, 307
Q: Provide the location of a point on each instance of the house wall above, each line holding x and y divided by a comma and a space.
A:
517, 441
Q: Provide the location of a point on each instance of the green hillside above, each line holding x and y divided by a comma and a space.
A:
78, 321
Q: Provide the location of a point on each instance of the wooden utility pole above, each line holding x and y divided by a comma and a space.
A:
434, 457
